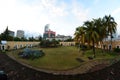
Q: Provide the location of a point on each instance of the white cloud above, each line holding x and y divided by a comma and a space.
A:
53, 9
116, 11
79, 11
17, 14
96, 1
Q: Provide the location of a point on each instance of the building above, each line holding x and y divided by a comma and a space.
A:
46, 28
11, 45
20, 33
48, 33
62, 37
114, 37
11, 33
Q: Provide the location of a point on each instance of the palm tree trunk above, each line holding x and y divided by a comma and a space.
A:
102, 46
79, 46
94, 49
111, 42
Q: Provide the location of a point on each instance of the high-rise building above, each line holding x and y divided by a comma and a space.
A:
46, 27
20, 33
48, 33
11, 33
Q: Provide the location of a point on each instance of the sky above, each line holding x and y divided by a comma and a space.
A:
62, 15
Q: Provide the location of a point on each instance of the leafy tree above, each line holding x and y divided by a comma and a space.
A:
48, 43
69, 40
17, 39
5, 35
24, 39
31, 38
40, 38
54, 43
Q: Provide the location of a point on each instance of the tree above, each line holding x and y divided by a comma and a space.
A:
95, 31
31, 38
110, 25
24, 39
17, 39
92, 34
40, 38
48, 43
101, 29
6, 36
80, 36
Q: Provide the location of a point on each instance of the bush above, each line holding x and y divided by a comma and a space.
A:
28, 53
83, 47
47, 43
116, 50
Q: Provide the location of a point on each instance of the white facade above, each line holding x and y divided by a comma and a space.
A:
20, 33
60, 37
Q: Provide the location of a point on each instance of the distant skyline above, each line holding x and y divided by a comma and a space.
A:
62, 15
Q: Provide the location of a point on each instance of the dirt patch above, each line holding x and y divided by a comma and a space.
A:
80, 60
98, 67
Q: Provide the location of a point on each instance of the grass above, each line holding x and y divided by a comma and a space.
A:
101, 54
62, 58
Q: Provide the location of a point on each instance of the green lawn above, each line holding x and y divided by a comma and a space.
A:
61, 58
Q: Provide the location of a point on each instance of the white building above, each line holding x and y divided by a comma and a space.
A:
46, 28
20, 33
60, 37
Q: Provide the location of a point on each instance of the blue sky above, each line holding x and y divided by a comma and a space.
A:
62, 15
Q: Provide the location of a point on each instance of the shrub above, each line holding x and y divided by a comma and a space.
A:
116, 50
83, 47
48, 43
31, 54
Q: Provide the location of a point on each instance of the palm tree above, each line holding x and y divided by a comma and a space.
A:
110, 26
91, 32
101, 30
80, 35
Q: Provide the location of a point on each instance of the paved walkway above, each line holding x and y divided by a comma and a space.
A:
16, 71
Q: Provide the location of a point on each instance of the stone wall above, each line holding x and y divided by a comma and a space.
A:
115, 44
67, 43
18, 44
